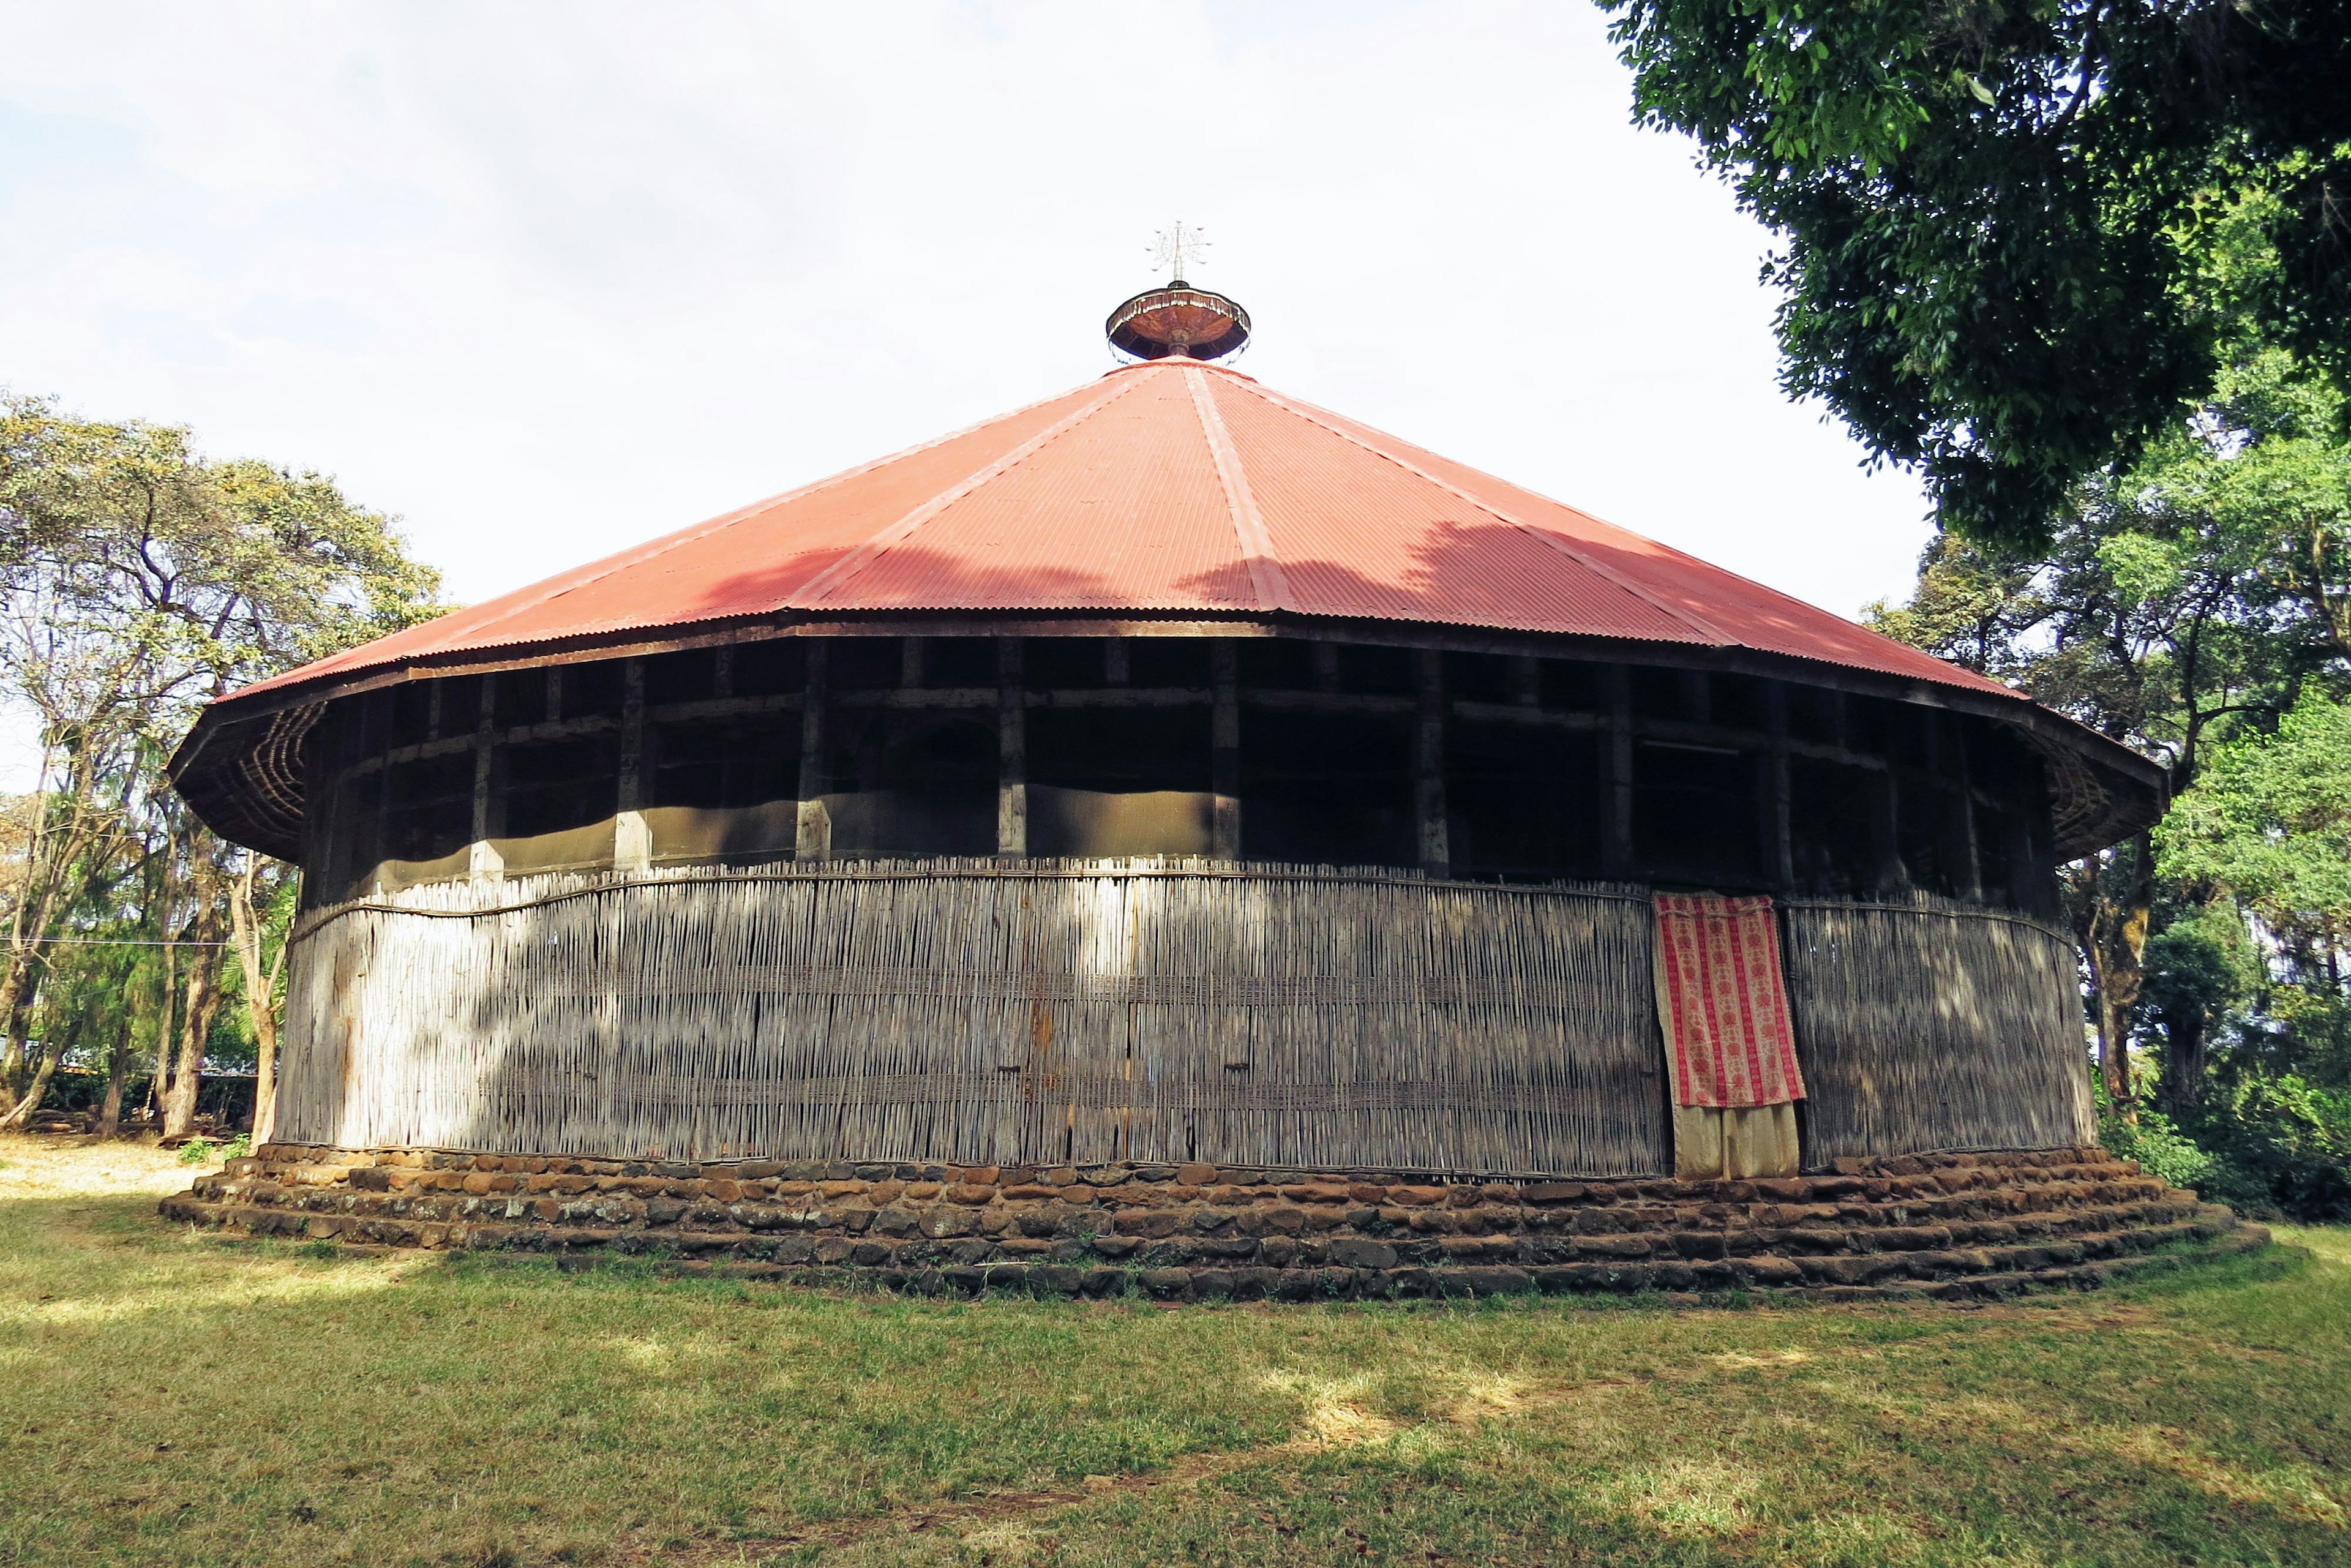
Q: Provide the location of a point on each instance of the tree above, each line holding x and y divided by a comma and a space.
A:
251, 914
138, 581
2005, 223
2271, 824
2178, 599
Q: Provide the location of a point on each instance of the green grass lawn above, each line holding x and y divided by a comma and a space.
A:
170, 1397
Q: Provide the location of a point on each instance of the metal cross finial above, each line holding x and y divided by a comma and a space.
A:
1177, 249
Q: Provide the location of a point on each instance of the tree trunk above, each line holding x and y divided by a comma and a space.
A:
22, 1112
195, 1022
2117, 947
118, 1069
2182, 1086
166, 1013
260, 999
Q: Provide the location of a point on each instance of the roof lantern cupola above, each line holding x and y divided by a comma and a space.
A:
1177, 320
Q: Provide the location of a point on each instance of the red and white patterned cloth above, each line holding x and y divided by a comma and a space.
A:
1723, 1002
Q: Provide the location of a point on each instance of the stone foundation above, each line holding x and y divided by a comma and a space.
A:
1945, 1225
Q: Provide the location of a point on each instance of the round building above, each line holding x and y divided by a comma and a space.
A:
1168, 775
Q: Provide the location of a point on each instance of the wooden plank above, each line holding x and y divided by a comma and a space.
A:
489, 806
813, 841
1779, 835
1224, 753
632, 734
1617, 764
1011, 753
1428, 764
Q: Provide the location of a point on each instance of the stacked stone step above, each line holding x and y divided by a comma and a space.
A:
1949, 1224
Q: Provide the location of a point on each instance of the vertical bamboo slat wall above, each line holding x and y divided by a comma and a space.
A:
1930, 1026
1149, 1010
966, 1011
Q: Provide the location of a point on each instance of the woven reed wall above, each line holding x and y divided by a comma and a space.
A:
971, 1012
1928, 1026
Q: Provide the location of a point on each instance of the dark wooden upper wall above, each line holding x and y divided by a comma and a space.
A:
1469, 765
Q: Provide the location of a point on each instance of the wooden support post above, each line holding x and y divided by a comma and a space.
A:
1326, 667
910, 664
1616, 765
1011, 752
814, 842
632, 840
722, 668
1884, 851
554, 693
1779, 835
632, 733
1955, 761
1429, 763
1527, 672
484, 735
1225, 750
1116, 666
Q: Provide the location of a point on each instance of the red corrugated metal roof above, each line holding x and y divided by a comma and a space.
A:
1165, 489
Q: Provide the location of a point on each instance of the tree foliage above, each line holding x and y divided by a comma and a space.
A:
139, 580
2004, 221
2190, 604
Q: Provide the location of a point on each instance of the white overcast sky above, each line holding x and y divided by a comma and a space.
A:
545, 279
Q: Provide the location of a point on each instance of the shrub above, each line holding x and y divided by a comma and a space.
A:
2161, 1149
2279, 1143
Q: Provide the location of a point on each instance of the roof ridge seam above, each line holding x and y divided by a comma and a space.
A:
654, 548
1267, 580
810, 594
1541, 535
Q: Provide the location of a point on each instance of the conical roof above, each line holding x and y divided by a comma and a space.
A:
1168, 489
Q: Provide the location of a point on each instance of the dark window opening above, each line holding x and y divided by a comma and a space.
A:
1375, 672
1695, 813
522, 699
1898, 732
461, 705
1064, 663
1572, 686
912, 784
1830, 808
951, 662
863, 663
1276, 664
338, 740
1329, 789
1481, 677
1667, 694
1119, 750
591, 691
1740, 701
771, 669
553, 786
688, 676
412, 713
428, 808
340, 838
1522, 803
725, 762
1812, 715
1930, 835
1164, 662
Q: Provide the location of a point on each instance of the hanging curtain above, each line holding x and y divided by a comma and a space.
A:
1731, 1049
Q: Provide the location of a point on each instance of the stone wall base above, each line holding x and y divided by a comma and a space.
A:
1946, 1226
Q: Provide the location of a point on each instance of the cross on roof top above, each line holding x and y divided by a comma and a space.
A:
1178, 247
